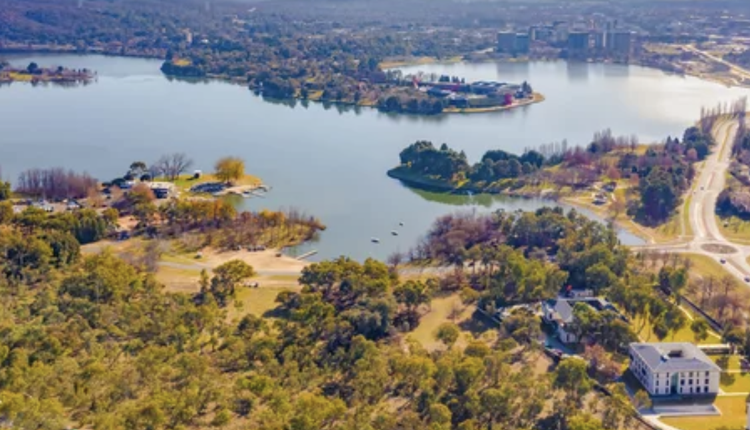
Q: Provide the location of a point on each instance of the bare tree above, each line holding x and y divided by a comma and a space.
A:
173, 165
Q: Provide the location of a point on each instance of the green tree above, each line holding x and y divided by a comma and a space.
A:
227, 278
571, 376
5, 191
700, 329
447, 333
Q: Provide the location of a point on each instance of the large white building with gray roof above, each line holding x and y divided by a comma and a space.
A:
676, 368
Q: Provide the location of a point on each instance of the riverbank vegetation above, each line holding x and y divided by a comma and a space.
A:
616, 174
36, 75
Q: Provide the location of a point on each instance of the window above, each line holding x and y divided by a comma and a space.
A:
682, 382
706, 381
705, 389
706, 374
691, 374
691, 390
690, 382
657, 382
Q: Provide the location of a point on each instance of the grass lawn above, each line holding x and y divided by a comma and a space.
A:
255, 301
735, 382
179, 280
727, 362
683, 335
736, 229
732, 416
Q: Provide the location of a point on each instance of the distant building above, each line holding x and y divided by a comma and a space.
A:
542, 34
506, 41
578, 41
598, 40
523, 44
677, 368
620, 42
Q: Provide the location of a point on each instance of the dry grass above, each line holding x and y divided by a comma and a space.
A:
442, 310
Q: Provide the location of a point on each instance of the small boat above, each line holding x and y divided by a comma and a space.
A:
401, 223
374, 240
394, 232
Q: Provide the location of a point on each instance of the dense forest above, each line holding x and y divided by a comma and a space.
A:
94, 341
661, 172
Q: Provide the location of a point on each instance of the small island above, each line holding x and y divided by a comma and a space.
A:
35, 74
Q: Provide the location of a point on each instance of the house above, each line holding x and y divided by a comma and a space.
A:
558, 313
676, 368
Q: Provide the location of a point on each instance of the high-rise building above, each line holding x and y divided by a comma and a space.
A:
578, 41
598, 39
620, 42
523, 44
506, 41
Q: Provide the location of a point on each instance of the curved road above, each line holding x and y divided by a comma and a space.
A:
707, 238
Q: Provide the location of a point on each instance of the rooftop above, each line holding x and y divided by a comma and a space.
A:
674, 357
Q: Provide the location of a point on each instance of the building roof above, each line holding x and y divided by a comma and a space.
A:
562, 308
673, 357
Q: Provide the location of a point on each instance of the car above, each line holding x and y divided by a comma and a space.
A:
702, 188
723, 261
747, 278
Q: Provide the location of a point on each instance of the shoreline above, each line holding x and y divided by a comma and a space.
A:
551, 195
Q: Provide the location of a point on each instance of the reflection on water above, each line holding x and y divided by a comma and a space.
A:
326, 160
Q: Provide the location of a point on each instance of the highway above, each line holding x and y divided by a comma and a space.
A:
707, 238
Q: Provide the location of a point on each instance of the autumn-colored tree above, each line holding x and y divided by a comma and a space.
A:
229, 169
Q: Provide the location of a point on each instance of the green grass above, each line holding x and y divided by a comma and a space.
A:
682, 335
736, 230
255, 301
735, 382
732, 416
727, 362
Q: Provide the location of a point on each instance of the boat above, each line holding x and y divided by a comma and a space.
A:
401, 223
374, 240
394, 232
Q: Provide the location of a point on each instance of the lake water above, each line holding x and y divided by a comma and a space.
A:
329, 161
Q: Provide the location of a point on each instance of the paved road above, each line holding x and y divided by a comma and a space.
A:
707, 238
735, 68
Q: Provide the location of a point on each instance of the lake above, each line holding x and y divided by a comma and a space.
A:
329, 161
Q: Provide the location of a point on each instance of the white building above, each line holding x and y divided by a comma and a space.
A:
677, 368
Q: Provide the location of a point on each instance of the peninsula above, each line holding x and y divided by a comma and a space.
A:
370, 85
615, 176
35, 74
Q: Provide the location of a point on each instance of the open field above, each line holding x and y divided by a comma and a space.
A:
442, 308
732, 416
